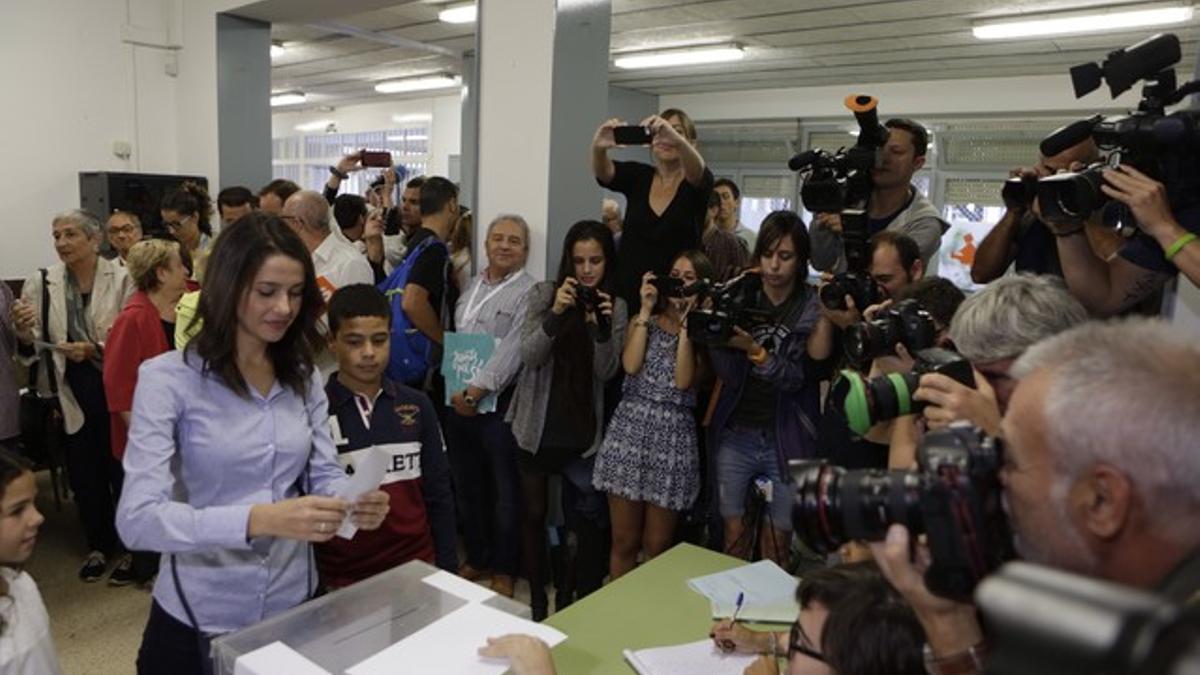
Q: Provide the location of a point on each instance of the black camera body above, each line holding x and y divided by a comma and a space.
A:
953, 497
733, 304
865, 402
1020, 191
668, 287
588, 299
858, 285
1160, 145
840, 182
906, 323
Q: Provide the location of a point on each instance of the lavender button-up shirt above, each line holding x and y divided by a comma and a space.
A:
199, 456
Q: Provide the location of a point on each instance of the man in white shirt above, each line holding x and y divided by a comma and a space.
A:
337, 262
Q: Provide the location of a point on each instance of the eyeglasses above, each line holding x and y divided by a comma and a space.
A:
122, 229
796, 644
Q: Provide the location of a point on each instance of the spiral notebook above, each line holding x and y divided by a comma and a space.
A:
688, 659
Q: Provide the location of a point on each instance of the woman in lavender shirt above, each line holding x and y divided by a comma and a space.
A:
230, 468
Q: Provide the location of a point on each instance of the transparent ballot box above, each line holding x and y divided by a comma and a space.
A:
344, 628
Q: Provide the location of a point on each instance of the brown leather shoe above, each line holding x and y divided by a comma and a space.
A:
470, 573
503, 585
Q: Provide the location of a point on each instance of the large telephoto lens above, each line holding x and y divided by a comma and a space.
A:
833, 506
865, 402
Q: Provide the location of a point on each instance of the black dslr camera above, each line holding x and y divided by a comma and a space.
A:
668, 287
866, 402
858, 285
905, 323
1160, 145
953, 497
588, 299
734, 303
840, 182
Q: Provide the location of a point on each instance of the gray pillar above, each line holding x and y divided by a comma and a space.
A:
243, 102
543, 90
469, 146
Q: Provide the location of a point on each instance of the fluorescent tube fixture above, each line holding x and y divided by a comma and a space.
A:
277, 50
688, 56
458, 14
1076, 23
413, 117
315, 125
396, 139
418, 84
288, 98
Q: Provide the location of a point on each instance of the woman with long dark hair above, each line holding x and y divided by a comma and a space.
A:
572, 336
186, 212
767, 409
230, 467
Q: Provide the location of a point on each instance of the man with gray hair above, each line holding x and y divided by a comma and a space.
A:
481, 447
1100, 472
992, 328
336, 261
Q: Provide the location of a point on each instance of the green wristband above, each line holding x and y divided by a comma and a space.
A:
1182, 241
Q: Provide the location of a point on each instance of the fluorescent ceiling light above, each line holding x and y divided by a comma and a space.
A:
458, 14
417, 137
418, 84
288, 98
277, 50
414, 117
315, 125
1095, 22
688, 56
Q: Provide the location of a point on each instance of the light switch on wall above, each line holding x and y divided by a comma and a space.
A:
122, 149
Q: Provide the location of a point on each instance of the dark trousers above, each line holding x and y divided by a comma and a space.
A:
95, 475
487, 488
171, 646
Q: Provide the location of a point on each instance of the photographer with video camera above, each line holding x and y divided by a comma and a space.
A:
1147, 185
1021, 239
895, 204
1098, 474
767, 408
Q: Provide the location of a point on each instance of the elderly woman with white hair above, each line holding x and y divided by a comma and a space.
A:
62, 321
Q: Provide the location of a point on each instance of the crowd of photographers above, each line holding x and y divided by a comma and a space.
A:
682, 369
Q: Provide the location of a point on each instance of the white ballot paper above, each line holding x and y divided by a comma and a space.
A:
769, 592
273, 659
688, 659
458, 586
450, 645
368, 474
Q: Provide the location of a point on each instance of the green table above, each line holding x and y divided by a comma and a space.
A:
651, 606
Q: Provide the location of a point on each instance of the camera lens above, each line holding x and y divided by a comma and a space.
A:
833, 506
868, 402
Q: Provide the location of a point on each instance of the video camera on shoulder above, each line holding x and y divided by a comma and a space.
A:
953, 497
866, 402
734, 303
1160, 145
840, 182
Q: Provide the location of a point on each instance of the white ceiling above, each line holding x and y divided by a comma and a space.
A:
788, 43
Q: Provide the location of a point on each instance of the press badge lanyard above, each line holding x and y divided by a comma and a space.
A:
473, 309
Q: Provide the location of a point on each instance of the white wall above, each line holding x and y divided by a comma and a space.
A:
1042, 93
444, 111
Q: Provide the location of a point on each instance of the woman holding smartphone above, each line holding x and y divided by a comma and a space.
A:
230, 467
666, 201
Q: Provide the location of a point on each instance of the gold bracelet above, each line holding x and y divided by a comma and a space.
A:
639, 321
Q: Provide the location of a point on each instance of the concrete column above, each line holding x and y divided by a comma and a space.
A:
243, 102
543, 90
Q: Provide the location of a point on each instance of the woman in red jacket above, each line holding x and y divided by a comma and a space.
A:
144, 329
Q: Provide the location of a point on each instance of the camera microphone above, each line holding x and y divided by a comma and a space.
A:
1069, 136
802, 160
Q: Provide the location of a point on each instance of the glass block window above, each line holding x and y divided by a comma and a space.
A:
306, 158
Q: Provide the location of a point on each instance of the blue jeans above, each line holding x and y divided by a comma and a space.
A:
744, 454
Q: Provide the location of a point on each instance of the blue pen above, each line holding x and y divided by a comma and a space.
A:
737, 606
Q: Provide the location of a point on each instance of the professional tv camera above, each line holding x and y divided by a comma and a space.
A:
953, 498
1160, 145
733, 303
841, 183
1044, 621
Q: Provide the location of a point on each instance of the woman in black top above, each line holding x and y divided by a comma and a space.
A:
664, 214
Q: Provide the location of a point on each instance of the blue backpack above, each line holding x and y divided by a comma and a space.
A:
411, 353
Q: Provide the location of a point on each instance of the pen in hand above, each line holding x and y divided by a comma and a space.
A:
730, 645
